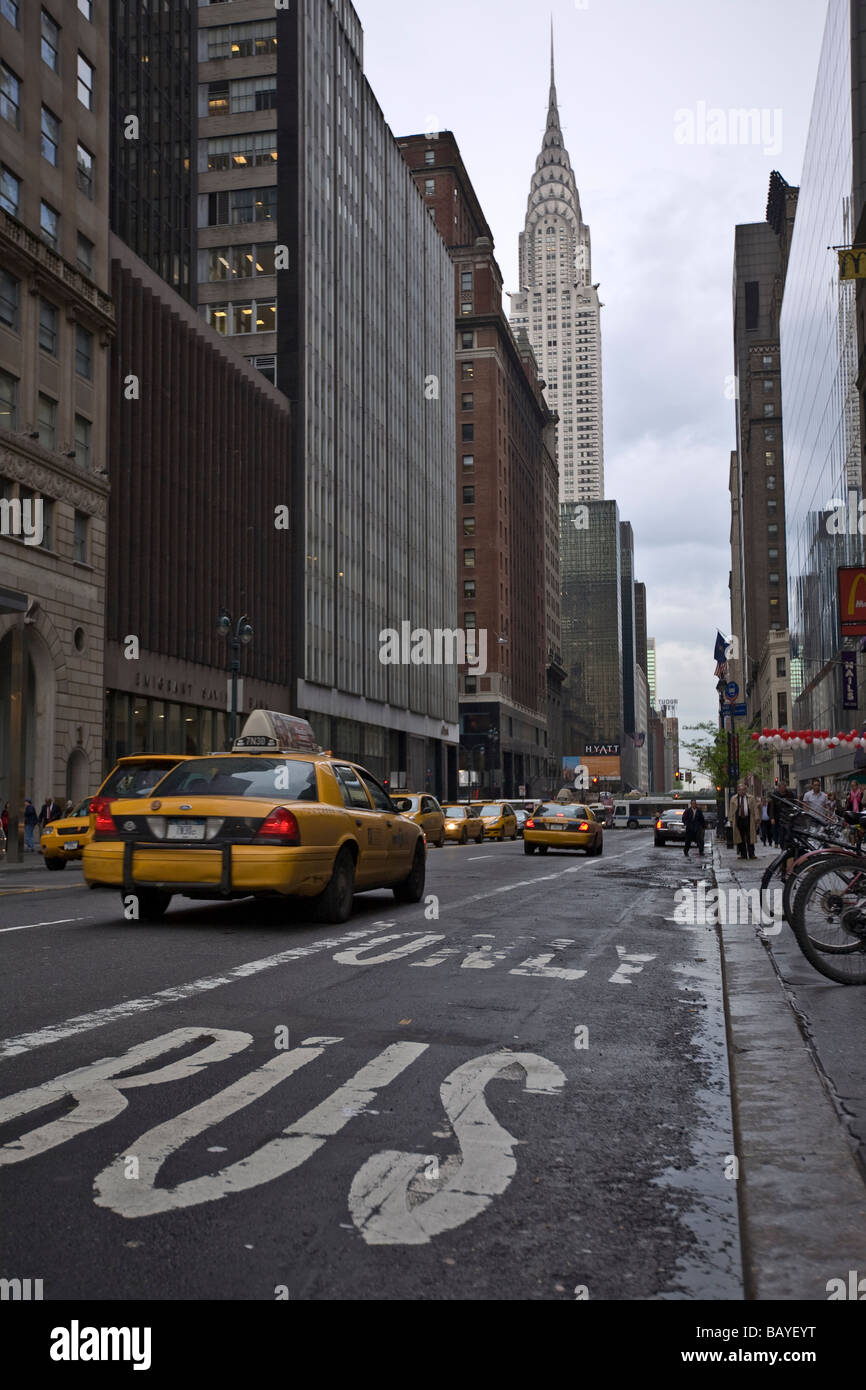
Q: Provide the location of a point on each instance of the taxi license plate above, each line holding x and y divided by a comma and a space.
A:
71, 844
185, 830
557, 825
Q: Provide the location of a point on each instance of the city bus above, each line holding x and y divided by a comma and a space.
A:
643, 811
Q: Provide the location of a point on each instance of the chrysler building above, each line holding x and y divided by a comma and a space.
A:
557, 306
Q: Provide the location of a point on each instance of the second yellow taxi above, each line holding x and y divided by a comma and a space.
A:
425, 811
275, 817
558, 825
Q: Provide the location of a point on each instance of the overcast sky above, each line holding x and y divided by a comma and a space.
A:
662, 214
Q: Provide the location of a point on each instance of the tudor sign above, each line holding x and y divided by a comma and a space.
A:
852, 601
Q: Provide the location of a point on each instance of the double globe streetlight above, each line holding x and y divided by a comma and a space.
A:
242, 636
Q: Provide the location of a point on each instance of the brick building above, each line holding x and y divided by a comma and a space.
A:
507, 503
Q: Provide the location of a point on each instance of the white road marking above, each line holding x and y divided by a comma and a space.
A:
354, 955
83, 1023
379, 1195
629, 965
540, 965
97, 1089
58, 921
484, 958
438, 956
275, 1158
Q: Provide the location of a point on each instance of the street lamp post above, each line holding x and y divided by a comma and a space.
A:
242, 636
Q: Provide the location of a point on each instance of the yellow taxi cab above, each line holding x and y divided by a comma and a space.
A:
425, 811
498, 819
562, 826
463, 823
275, 817
66, 839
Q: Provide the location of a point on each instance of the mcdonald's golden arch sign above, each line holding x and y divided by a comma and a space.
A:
852, 263
852, 601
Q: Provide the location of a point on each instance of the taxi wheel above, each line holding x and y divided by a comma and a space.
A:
411, 890
152, 903
55, 864
542, 849
464, 837
481, 836
528, 849
335, 904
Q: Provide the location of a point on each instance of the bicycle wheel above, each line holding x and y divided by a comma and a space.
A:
828, 917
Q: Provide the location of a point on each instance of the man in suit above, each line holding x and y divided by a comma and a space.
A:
50, 811
695, 825
745, 818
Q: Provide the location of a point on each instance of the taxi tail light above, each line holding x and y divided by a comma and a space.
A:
104, 826
530, 825
281, 827
584, 825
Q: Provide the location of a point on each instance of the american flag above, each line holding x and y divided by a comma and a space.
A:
720, 655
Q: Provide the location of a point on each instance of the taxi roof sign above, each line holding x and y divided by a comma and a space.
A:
267, 730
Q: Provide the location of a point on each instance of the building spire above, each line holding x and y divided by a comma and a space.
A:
552, 83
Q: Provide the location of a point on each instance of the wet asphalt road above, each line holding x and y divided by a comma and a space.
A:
524, 1097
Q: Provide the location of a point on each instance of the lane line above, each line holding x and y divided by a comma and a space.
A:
83, 1023
58, 921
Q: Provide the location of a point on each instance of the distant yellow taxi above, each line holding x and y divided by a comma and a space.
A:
463, 823
64, 839
275, 817
559, 825
67, 838
499, 820
425, 811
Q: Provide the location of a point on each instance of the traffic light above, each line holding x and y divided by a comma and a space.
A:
676, 776
595, 781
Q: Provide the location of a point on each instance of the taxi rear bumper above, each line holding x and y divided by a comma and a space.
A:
567, 839
224, 871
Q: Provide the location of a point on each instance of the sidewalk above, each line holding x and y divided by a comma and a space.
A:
801, 1190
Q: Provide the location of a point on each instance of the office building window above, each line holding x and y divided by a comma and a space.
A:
80, 526
467, 340
467, 401
267, 366
86, 8
469, 494
470, 685
83, 352
771, 480
773, 529
85, 171
466, 309
10, 290
9, 10
780, 666
49, 221
469, 525
768, 386
469, 559
467, 433
467, 370
774, 578
8, 401
10, 191
243, 316
466, 279
769, 409
48, 327
469, 621
241, 40
469, 588
50, 136
50, 42
242, 205
10, 96
47, 420
429, 187
767, 361
47, 541
782, 699
429, 157
240, 262
468, 461
85, 82
85, 254
83, 432
250, 150
770, 458
772, 553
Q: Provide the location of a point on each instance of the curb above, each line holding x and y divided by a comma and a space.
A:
801, 1193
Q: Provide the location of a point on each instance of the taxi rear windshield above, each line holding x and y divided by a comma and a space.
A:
405, 803
269, 779
455, 812
133, 780
556, 808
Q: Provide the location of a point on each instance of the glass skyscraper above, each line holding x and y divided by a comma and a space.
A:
819, 388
